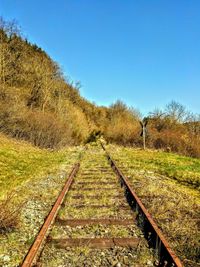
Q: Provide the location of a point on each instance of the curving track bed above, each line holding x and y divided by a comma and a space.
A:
97, 224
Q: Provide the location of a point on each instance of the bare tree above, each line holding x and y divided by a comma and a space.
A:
175, 111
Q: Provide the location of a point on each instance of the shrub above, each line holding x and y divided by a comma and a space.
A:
9, 213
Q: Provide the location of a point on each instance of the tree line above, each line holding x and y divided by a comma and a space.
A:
39, 105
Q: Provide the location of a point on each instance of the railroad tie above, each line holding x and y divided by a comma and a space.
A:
81, 196
98, 243
96, 183
95, 188
83, 222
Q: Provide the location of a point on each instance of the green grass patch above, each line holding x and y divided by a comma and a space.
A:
181, 168
20, 161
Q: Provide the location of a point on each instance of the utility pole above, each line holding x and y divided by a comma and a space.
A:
143, 124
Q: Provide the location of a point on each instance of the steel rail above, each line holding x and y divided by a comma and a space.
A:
36, 246
153, 234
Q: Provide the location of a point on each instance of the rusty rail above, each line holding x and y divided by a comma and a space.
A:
36, 246
153, 234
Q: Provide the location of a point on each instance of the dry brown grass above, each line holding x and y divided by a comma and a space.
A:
9, 213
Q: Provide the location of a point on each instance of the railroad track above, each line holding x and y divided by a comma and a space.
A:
98, 220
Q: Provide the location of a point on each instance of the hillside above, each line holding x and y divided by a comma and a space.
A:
38, 104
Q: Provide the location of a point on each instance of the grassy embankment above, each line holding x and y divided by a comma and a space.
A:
20, 162
168, 185
185, 170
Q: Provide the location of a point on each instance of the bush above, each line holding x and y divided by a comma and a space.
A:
9, 214
169, 140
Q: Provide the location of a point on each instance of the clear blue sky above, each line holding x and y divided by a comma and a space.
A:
144, 52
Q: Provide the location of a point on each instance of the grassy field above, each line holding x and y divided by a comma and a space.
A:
185, 170
20, 162
168, 185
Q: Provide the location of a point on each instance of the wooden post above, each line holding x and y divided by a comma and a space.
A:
143, 124
144, 137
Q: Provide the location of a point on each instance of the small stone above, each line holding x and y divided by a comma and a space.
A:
156, 263
114, 263
149, 263
126, 261
6, 258
118, 264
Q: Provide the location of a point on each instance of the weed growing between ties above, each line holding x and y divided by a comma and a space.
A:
93, 213
95, 231
83, 256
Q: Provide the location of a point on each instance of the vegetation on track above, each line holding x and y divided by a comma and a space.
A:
56, 254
